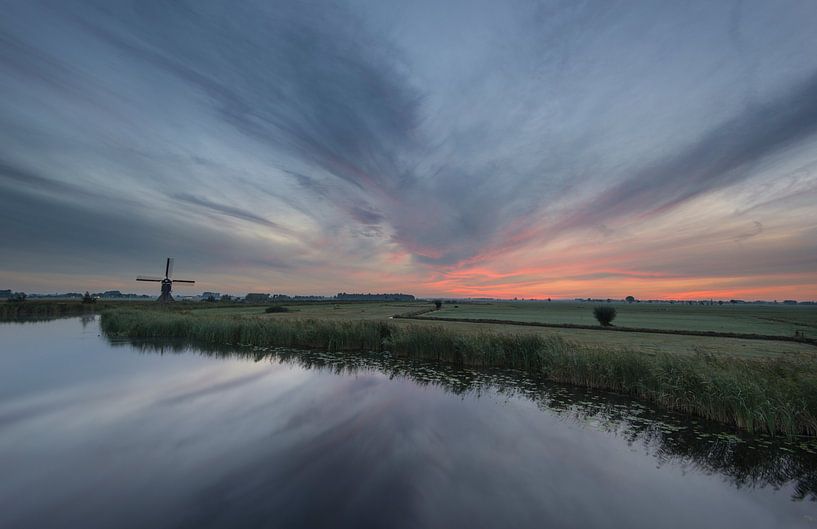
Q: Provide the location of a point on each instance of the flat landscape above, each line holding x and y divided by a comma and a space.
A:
779, 320
782, 320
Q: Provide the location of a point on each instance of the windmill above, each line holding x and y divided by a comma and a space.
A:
167, 283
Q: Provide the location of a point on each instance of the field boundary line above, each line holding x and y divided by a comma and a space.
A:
711, 334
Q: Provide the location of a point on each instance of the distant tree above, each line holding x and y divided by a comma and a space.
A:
605, 314
88, 298
226, 298
438, 304
629, 299
18, 297
210, 299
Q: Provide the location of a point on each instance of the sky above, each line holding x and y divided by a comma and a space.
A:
461, 148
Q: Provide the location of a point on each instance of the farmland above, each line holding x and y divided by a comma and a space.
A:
783, 320
773, 320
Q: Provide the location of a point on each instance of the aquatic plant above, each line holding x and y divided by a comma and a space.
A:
775, 395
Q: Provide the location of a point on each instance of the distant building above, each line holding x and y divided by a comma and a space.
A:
112, 294
254, 297
789, 302
207, 295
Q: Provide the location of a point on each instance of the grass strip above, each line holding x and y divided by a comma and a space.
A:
11, 311
713, 334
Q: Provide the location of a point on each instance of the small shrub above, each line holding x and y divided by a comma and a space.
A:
276, 308
438, 303
605, 314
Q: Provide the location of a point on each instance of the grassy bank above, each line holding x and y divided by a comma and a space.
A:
10, 311
772, 395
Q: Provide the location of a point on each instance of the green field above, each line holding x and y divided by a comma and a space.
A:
323, 310
780, 320
773, 320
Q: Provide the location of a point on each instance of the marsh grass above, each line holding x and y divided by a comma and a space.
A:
758, 395
10, 311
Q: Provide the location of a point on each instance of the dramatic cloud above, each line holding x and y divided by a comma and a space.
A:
525, 148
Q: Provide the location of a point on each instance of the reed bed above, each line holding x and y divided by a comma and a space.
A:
10, 311
758, 395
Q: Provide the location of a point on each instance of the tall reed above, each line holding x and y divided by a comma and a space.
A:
43, 309
776, 395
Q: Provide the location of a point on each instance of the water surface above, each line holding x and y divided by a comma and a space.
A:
99, 434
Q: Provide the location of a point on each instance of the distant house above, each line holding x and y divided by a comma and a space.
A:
254, 297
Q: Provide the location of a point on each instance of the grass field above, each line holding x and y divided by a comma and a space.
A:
767, 319
322, 310
569, 313
781, 320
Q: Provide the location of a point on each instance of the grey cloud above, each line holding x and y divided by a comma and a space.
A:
458, 145
364, 215
796, 254
309, 183
13, 176
302, 76
721, 157
231, 211
19, 178
757, 229
115, 241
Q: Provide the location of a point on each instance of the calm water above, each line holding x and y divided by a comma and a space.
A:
94, 434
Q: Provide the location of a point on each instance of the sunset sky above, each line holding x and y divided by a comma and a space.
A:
459, 148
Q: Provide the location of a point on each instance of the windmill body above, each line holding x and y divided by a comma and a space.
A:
167, 282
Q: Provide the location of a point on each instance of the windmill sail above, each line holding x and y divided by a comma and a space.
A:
167, 283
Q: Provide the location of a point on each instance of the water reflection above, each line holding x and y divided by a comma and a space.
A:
139, 435
745, 460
